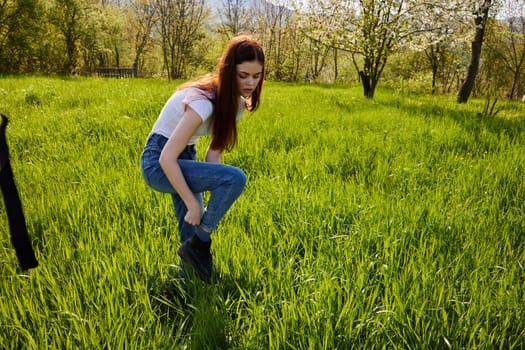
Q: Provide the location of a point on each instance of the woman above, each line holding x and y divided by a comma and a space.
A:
210, 105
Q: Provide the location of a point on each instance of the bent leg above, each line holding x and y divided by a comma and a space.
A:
225, 183
185, 230
155, 178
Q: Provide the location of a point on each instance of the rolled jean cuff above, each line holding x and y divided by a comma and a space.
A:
202, 233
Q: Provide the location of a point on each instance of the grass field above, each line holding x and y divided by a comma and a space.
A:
396, 223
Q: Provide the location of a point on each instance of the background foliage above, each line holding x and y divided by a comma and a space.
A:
421, 47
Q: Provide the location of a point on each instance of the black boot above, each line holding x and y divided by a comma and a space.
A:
198, 255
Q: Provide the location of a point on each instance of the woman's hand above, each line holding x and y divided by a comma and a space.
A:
193, 216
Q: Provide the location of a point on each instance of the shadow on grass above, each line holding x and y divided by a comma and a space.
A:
470, 120
202, 312
465, 116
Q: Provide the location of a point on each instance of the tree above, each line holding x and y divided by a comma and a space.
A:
320, 22
442, 59
434, 55
101, 36
512, 39
273, 21
143, 18
440, 37
480, 21
20, 31
113, 24
372, 30
180, 22
384, 26
377, 25
234, 16
67, 17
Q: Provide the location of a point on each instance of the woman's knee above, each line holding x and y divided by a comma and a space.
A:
238, 176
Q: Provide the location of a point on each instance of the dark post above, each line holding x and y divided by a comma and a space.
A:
15, 214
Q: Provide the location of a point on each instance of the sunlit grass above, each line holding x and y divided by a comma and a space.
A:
391, 223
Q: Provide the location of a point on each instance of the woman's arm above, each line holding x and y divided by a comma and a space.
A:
168, 161
213, 155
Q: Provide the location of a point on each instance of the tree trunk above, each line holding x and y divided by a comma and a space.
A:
336, 70
434, 74
433, 56
367, 87
71, 59
481, 23
515, 83
117, 57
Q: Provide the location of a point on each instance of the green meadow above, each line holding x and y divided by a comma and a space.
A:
393, 223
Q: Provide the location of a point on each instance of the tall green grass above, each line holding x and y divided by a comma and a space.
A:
394, 223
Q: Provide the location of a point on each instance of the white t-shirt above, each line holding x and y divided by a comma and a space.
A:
200, 101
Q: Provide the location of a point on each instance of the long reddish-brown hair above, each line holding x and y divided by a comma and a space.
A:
223, 83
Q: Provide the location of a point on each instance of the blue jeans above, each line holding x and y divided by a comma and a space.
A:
225, 183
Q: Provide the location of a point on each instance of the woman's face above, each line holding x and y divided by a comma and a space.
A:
249, 74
